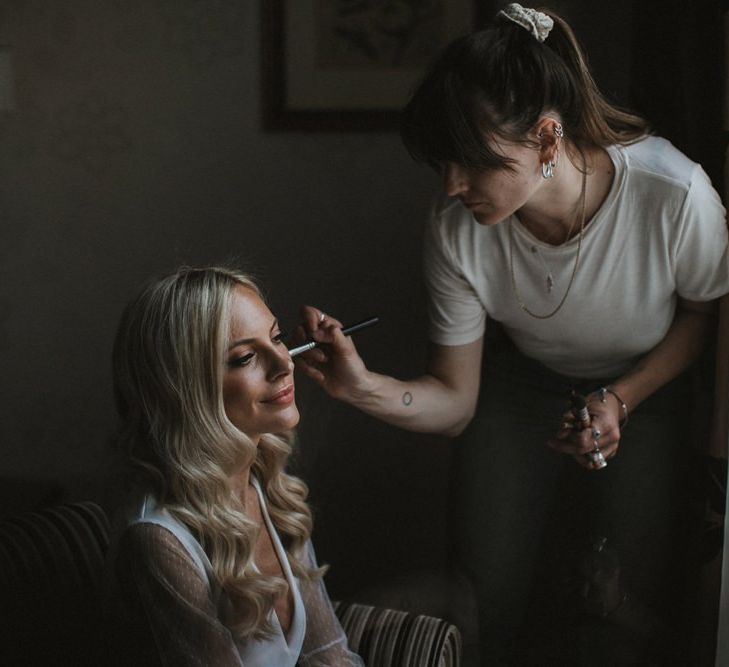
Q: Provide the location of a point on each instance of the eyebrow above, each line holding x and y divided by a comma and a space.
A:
244, 341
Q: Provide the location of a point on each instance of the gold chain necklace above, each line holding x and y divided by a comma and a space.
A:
519, 300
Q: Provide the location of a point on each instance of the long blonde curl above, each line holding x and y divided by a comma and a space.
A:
168, 378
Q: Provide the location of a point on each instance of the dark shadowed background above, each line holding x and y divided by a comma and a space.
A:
136, 145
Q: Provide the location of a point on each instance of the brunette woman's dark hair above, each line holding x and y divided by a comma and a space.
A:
496, 83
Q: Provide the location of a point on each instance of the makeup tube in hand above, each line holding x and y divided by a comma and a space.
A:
347, 331
582, 415
579, 410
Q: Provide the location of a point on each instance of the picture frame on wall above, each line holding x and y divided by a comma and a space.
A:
350, 65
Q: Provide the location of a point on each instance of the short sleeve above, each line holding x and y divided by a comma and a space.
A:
170, 616
456, 314
702, 245
325, 643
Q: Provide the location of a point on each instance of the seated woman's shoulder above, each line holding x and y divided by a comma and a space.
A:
144, 543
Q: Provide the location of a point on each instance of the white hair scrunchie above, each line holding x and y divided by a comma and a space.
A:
537, 23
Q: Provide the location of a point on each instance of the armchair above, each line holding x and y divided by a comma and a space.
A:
51, 568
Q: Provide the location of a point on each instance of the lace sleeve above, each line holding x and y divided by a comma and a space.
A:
159, 582
325, 643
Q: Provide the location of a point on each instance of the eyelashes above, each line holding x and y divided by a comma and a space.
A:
246, 359
239, 362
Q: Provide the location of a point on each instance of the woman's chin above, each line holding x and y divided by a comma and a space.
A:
293, 418
486, 218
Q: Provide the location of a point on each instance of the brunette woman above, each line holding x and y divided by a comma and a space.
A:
595, 251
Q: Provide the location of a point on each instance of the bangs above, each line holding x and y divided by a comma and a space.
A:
441, 124
485, 87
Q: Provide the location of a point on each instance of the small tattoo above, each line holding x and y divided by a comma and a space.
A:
407, 398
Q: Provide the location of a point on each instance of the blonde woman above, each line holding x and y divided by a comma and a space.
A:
213, 564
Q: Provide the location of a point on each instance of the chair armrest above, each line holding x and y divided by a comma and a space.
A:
389, 638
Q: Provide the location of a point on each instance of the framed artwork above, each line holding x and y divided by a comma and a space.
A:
351, 64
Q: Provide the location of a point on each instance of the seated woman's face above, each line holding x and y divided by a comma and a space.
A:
258, 382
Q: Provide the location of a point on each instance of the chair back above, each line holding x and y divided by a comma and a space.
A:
388, 638
51, 565
51, 569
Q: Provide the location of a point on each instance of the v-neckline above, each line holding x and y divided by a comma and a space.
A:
282, 559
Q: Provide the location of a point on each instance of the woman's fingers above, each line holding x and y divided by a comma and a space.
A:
315, 320
570, 441
334, 364
582, 445
585, 462
590, 447
592, 462
312, 316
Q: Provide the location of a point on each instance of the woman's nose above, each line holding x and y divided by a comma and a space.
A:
281, 362
455, 179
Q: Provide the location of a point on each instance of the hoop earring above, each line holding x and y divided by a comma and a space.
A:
548, 169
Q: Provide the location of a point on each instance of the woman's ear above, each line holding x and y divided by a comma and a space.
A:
549, 135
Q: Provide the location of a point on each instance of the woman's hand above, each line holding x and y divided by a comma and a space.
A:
604, 432
335, 366
442, 400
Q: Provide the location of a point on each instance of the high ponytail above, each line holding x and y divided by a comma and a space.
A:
600, 123
496, 83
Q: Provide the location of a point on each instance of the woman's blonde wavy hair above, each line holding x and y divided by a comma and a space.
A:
168, 377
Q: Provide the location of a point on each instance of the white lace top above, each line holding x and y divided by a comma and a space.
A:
161, 586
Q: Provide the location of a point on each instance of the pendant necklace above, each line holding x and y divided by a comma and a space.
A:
547, 270
550, 281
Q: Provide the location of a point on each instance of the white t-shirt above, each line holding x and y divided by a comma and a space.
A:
661, 232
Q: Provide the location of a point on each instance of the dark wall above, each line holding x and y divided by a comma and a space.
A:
135, 146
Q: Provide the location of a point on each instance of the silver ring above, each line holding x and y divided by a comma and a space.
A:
322, 316
597, 458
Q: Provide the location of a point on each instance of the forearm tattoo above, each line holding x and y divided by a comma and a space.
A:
407, 398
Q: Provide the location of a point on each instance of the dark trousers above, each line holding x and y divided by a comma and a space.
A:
525, 514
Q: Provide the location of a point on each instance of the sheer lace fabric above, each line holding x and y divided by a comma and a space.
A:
166, 608
324, 642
